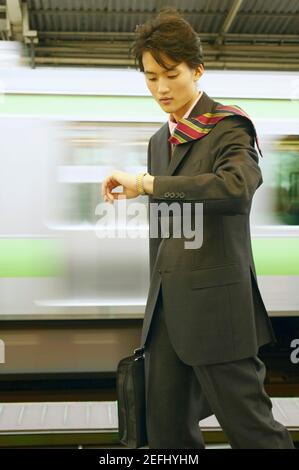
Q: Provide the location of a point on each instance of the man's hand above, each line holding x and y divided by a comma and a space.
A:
120, 178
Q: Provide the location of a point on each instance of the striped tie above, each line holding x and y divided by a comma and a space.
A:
172, 147
194, 128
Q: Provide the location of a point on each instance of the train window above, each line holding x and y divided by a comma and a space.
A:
93, 151
287, 180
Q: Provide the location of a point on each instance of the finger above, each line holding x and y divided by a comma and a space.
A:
103, 189
118, 195
108, 199
108, 182
106, 185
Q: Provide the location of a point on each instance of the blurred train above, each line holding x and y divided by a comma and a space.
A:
70, 299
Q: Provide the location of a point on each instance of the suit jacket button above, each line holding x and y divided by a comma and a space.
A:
172, 194
166, 194
182, 194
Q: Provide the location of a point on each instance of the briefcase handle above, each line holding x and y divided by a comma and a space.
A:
139, 353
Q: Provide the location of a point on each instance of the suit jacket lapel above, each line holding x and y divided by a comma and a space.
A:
166, 167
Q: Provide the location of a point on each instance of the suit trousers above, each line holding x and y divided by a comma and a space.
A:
179, 395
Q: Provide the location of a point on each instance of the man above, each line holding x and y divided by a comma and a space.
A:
205, 319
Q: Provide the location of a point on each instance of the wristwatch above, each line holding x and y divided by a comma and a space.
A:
139, 183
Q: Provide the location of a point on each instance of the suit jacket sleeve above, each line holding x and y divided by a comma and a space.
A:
235, 176
153, 242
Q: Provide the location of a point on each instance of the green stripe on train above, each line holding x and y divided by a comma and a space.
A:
40, 258
276, 256
126, 107
31, 258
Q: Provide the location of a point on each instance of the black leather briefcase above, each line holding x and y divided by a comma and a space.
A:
130, 384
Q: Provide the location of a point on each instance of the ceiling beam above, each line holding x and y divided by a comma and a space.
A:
147, 14
231, 16
205, 37
14, 19
29, 35
14, 12
229, 20
216, 64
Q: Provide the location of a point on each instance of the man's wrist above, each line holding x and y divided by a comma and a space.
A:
148, 183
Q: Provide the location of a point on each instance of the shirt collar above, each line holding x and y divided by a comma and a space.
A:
172, 123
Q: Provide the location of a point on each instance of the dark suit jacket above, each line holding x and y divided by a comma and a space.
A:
213, 307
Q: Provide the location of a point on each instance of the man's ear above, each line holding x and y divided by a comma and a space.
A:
199, 71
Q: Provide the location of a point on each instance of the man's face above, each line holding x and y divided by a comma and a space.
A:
177, 84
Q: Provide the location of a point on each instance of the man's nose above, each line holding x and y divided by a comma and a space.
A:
162, 88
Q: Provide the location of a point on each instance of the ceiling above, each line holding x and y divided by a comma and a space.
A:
236, 34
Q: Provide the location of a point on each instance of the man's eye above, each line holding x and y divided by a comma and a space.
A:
169, 76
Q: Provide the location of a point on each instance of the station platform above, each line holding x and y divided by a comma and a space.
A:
85, 424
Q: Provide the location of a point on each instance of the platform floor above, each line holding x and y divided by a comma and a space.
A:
83, 424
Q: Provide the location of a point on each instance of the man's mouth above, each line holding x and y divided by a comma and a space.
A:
165, 100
